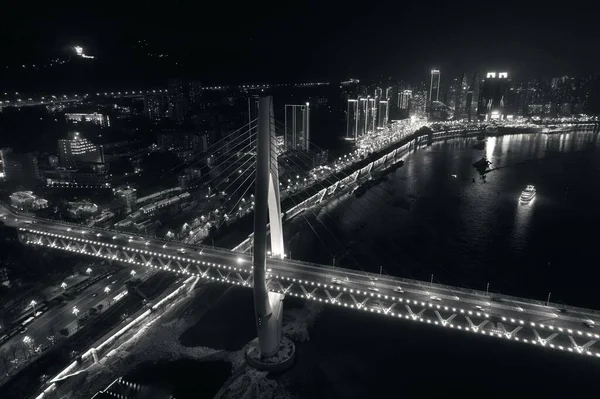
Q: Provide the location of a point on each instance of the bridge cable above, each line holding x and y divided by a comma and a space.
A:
384, 252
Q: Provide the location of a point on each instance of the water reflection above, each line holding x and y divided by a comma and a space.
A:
523, 213
424, 221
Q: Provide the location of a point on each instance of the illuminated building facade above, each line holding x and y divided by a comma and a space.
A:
297, 127
404, 98
494, 96
155, 106
457, 97
77, 149
26, 200
434, 86
81, 178
388, 93
352, 120
371, 115
383, 114
178, 100
363, 104
95, 118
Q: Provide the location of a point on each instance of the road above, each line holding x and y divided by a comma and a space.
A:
58, 317
508, 317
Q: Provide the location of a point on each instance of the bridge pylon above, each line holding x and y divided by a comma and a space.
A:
270, 351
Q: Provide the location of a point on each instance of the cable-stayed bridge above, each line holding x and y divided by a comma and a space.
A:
519, 320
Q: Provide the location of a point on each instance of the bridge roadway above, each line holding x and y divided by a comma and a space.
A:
558, 327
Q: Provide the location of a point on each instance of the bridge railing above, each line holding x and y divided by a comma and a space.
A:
443, 287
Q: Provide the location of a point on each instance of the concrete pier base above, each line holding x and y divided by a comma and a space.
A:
282, 360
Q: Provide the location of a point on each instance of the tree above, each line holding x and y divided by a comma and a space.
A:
14, 350
5, 359
64, 332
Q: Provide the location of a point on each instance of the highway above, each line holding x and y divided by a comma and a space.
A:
518, 319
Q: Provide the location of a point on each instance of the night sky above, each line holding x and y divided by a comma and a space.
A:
223, 42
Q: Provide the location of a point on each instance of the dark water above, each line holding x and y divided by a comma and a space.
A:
181, 379
424, 221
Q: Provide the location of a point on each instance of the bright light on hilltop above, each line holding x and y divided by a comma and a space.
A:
79, 52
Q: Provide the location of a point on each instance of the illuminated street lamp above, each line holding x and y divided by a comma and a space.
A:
107, 290
89, 270
132, 274
75, 311
33, 303
63, 285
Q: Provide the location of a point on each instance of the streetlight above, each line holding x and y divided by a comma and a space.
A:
89, 270
132, 274
33, 303
107, 290
75, 311
63, 285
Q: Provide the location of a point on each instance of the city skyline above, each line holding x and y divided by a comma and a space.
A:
370, 200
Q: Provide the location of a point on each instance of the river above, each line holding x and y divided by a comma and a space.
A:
431, 218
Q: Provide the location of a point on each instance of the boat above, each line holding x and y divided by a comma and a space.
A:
557, 129
491, 129
528, 194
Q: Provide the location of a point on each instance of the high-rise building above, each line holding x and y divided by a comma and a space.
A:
178, 99
155, 106
388, 93
352, 119
473, 98
194, 94
404, 99
457, 96
383, 114
494, 96
363, 105
371, 115
77, 149
434, 86
297, 127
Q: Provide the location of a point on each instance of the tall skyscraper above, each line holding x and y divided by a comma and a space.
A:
473, 98
434, 86
297, 127
363, 105
371, 115
383, 114
388, 93
404, 99
352, 119
494, 96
